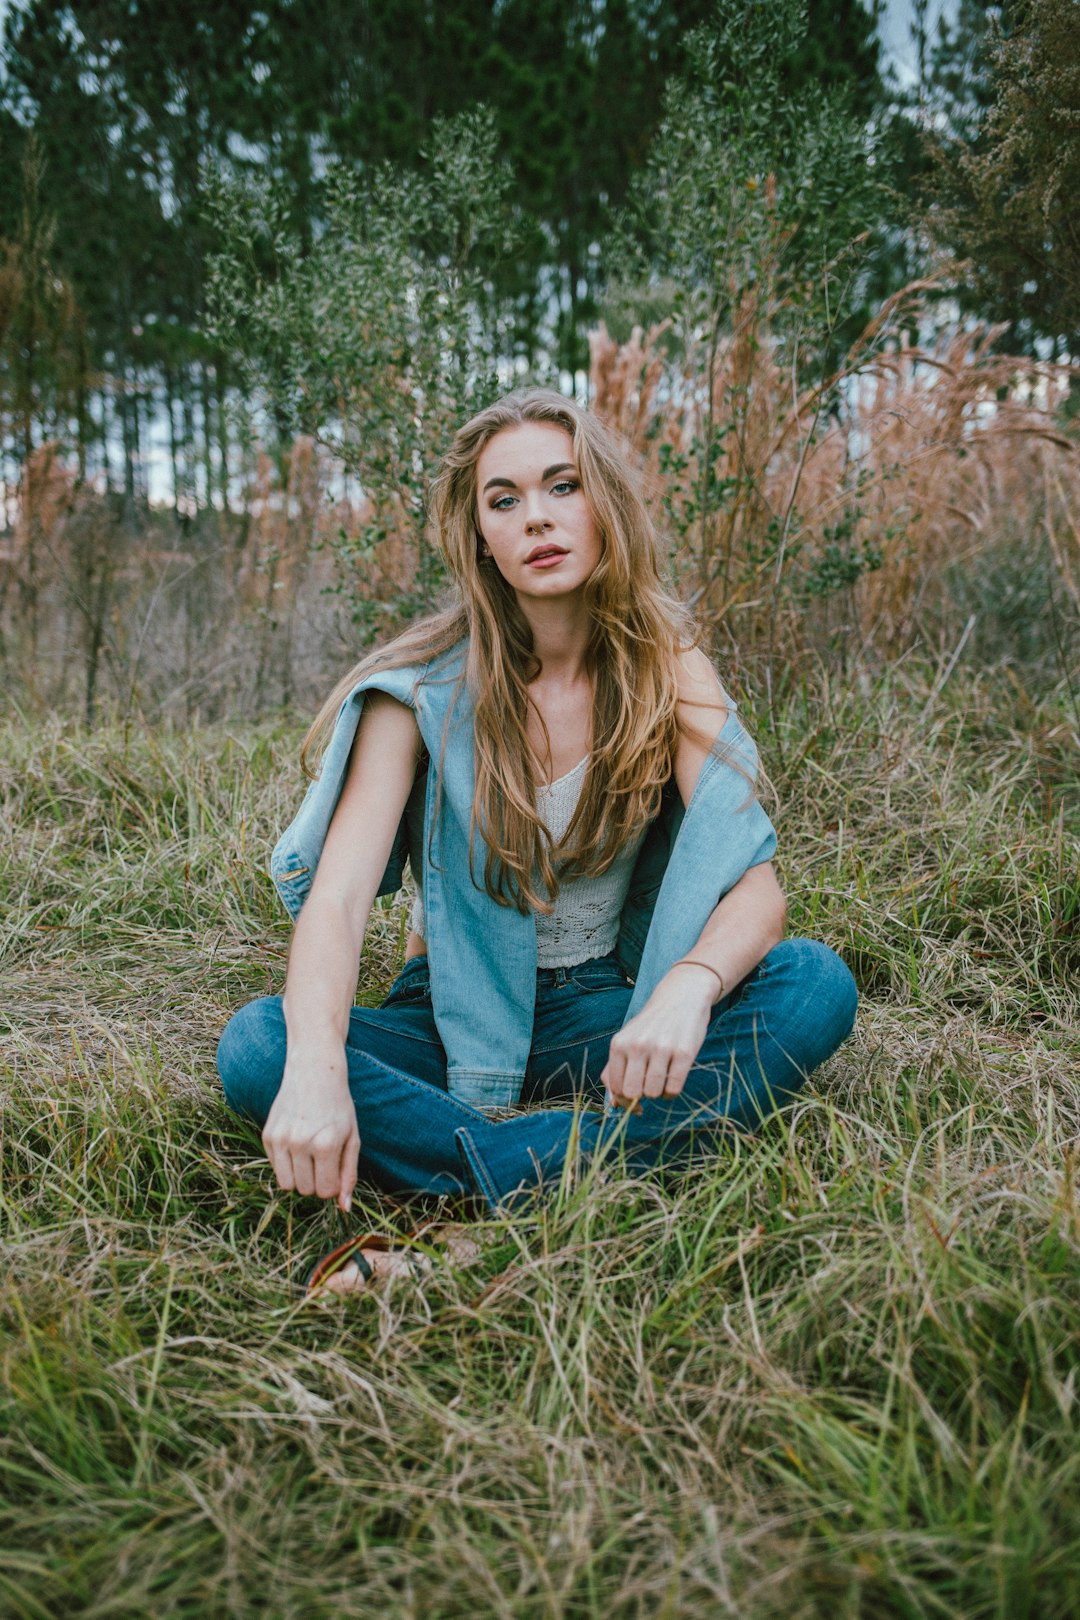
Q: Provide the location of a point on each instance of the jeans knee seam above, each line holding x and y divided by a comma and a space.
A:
423, 1085
405, 1035
476, 1165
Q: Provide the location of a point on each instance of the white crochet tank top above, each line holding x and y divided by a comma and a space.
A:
585, 921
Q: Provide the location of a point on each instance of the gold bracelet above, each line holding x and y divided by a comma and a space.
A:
693, 961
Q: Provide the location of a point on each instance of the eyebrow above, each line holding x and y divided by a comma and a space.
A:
548, 472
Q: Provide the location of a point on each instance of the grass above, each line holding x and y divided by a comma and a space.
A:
835, 1375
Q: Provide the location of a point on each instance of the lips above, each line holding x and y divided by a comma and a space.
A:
545, 553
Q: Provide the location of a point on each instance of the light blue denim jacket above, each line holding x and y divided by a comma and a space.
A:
482, 956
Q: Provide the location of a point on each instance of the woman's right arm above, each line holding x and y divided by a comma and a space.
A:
311, 1136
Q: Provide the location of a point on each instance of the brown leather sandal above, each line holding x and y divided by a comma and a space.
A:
352, 1251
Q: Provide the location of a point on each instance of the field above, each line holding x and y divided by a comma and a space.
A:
835, 1375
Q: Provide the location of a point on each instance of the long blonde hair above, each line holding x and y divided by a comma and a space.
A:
638, 631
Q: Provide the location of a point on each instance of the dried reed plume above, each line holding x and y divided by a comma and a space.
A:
781, 498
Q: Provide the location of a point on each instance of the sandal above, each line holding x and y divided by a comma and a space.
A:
351, 1251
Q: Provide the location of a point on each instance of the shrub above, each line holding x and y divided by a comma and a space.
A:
383, 335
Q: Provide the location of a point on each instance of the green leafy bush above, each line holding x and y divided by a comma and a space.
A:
383, 334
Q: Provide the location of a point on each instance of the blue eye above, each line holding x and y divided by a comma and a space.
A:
497, 506
569, 484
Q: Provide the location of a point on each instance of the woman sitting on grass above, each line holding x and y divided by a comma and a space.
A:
599, 920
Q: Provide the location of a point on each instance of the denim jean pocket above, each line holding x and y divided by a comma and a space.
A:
412, 985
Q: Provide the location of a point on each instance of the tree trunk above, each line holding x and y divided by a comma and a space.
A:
174, 458
126, 435
223, 432
207, 431
188, 418
83, 419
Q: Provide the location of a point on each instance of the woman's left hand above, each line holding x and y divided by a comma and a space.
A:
652, 1055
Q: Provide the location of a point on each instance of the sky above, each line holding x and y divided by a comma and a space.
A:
896, 32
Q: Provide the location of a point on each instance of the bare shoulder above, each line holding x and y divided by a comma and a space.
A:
700, 689
384, 754
702, 712
390, 709
387, 734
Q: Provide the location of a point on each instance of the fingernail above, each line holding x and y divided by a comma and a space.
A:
346, 1204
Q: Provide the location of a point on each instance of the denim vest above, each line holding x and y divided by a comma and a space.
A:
482, 956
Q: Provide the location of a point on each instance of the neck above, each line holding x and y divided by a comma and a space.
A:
560, 633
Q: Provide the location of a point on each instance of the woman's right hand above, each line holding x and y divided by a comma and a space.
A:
310, 1136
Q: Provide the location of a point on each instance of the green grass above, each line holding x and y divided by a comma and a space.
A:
835, 1375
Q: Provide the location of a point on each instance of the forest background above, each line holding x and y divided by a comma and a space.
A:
256, 262
218, 408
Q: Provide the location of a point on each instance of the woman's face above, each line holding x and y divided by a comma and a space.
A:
533, 514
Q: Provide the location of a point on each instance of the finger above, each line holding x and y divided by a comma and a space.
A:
656, 1075
350, 1160
327, 1167
614, 1069
614, 1090
633, 1080
629, 1105
281, 1164
678, 1069
303, 1173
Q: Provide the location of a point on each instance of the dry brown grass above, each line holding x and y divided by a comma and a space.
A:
158, 614
839, 506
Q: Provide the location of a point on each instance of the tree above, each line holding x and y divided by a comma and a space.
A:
43, 379
128, 100
41, 348
1004, 195
381, 337
740, 246
125, 102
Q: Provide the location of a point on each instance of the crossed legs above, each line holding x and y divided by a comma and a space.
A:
764, 1040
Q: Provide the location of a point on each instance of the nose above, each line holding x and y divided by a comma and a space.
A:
536, 523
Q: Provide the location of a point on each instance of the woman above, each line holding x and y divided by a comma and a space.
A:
600, 920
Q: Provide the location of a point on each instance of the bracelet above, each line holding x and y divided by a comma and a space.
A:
694, 961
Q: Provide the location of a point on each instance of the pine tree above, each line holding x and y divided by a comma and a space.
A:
1004, 192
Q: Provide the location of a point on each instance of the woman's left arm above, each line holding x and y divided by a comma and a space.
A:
652, 1054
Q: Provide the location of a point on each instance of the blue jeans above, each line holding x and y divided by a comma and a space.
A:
764, 1039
